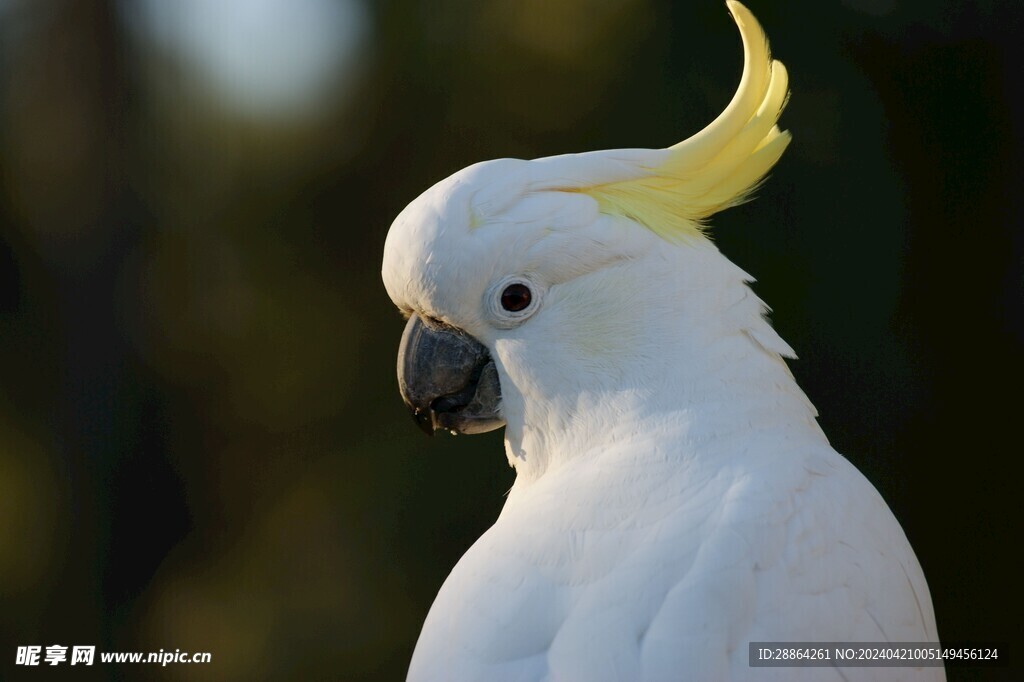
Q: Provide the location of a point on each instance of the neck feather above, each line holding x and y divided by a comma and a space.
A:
693, 355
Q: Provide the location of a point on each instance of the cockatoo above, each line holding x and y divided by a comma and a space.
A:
675, 499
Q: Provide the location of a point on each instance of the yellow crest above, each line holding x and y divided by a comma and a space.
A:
720, 166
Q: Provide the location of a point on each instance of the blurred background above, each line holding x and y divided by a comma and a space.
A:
202, 446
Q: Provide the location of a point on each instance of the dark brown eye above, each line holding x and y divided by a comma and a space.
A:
516, 297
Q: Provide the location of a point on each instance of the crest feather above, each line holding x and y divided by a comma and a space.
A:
720, 166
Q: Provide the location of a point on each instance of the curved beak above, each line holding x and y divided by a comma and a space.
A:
448, 379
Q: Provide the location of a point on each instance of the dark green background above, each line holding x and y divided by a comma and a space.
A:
201, 441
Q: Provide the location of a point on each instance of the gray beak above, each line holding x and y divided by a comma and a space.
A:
448, 379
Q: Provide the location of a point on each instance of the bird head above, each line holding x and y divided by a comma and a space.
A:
534, 289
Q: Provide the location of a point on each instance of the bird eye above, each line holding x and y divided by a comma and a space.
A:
516, 297
512, 300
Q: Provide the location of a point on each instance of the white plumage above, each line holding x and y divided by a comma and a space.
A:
675, 498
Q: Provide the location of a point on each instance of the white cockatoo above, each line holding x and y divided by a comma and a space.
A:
675, 499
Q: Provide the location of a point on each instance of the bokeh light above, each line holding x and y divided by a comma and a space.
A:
267, 59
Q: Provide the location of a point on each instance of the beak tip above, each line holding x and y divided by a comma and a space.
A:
424, 420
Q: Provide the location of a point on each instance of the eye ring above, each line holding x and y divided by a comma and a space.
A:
516, 297
512, 300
